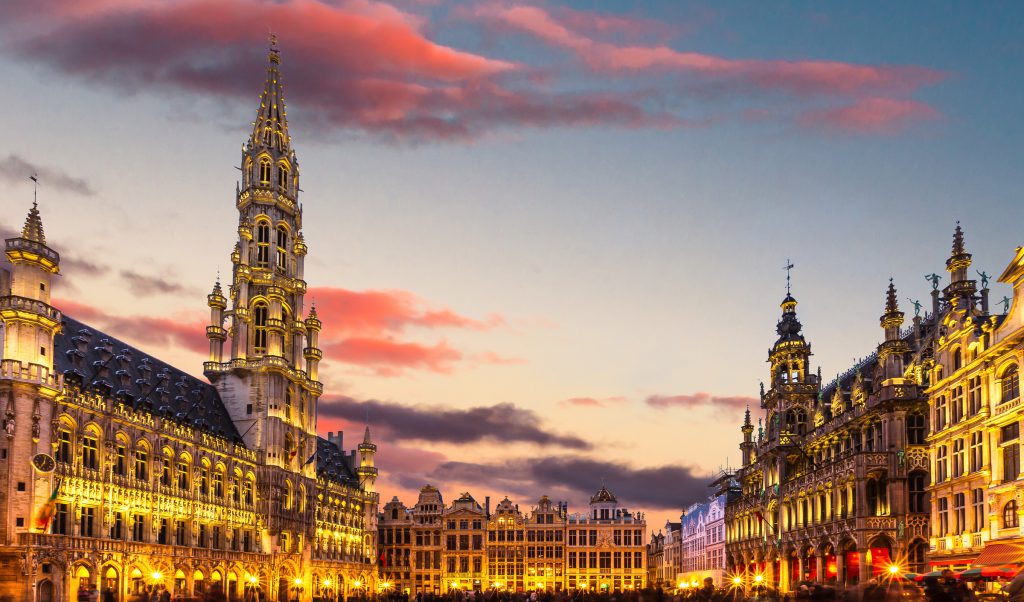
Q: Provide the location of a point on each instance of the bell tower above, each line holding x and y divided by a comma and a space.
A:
267, 375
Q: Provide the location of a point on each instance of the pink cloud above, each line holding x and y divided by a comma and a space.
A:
700, 400
593, 402
390, 358
146, 332
871, 116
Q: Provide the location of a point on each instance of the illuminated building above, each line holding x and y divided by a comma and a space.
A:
664, 556
121, 471
605, 548
833, 488
467, 547
702, 535
977, 508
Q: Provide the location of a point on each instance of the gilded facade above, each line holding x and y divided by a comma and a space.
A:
833, 487
467, 546
977, 488
121, 471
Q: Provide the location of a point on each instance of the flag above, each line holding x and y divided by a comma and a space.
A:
291, 454
311, 459
761, 518
47, 510
383, 561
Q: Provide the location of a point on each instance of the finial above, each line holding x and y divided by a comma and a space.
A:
35, 188
789, 266
958, 240
274, 54
33, 229
891, 303
746, 416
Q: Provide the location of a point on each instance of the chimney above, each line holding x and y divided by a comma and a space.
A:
487, 505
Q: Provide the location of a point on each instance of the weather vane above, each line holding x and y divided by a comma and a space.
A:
35, 188
788, 267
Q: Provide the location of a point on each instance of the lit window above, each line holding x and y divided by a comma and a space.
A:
1010, 518
1010, 385
282, 247
262, 244
264, 171
259, 313
282, 176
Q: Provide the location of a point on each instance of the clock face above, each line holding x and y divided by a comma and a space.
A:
44, 463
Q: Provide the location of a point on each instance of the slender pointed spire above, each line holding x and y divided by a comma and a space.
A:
891, 302
746, 417
366, 435
270, 129
33, 229
958, 241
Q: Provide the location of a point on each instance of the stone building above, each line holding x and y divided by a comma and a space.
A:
121, 471
465, 546
977, 487
664, 557
702, 535
833, 487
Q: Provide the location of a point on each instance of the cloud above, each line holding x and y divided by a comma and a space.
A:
594, 402
670, 486
872, 116
148, 333
83, 267
696, 401
14, 169
144, 285
502, 422
363, 328
353, 65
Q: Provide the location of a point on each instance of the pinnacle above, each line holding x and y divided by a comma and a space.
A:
270, 130
33, 229
958, 240
891, 302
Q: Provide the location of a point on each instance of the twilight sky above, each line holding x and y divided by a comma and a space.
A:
546, 239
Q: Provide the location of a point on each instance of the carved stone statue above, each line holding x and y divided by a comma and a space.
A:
917, 306
934, 279
900, 529
984, 279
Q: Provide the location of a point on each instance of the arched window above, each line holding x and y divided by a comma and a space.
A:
90, 450
917, 429
288, 495
282, 247
1010, 518
958, 359
262, 243
288, 402
265, 171
64, 446
1010, 384
247, 172
282, 176
259, 319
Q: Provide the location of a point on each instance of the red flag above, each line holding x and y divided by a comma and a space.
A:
47, 510
383, 561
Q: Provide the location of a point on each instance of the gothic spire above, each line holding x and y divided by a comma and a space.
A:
270, 130
958, 241
891, 303
746, 417
33, 229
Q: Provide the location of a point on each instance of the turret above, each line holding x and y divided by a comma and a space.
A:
890, 352
215, 331
312, 352
367, 472
747, 447
960, 290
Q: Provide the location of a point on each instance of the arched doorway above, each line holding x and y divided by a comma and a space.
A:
80, 579
198, 582
232, 588
138, 584
879, 555
179, 583
111, 581
44, 591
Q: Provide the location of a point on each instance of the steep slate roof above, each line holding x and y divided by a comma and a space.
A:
332, 463
98, 361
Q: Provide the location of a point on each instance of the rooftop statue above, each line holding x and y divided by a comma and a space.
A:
934, 279
984, 279
917, 306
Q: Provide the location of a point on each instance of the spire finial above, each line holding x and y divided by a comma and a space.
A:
274, 54
789, 266
891, 303
746, 416
33, 229
958, 240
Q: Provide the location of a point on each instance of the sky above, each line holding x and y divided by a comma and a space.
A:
546, 238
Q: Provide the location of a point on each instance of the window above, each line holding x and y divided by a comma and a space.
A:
282, 247
117, 528
978, 509
1008, 436
959, 457
1010, 518
90, 452
958, 359
138, 527
179, 533
120, 465
218, 484
165, 472
943, 512
1010, 385
956, 404
182, 475
64, 447
201, 536
60, 520
940, 413
959, 514
264, 171
161, 536
916, 429
941, 463
262, 244
259, 312
976, 450
974, 396
88, 523
282, 176
141, 464
916, 483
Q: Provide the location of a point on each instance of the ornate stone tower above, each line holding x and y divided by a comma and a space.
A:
28, 381
747, 447
960, 290
790, 398
366, 471
268, 380
891, 351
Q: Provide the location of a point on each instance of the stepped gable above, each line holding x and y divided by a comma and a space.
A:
333, 464
93, 360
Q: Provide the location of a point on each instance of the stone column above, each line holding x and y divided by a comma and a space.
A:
801, 563
840, 568
819, 559
862, 566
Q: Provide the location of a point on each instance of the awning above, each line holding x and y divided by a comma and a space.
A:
1001, 553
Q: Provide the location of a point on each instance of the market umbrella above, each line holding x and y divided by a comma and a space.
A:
983, 572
